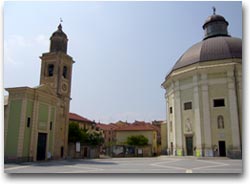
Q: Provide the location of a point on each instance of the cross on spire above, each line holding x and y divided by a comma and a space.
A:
214, 10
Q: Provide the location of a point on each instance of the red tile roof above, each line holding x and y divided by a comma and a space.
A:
110, 126
137, 127
74, 116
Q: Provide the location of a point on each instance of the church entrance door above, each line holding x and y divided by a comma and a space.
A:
41, 146
222, 148
189, 146
85, 152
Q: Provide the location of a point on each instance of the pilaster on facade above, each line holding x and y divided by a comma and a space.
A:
239, 97
173, 134
66, 135
48, 134
6, 122
197, 116
22, 128
168, 121
178, 120
206, 117
234, 118
34, 127
53, 132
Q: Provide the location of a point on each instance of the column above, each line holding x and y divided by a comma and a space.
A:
177, 120
235, 151
197, 117
206, 117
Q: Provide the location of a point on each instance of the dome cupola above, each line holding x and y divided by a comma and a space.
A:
215, 25
58, 41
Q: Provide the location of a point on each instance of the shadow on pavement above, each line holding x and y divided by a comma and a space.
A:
66, 162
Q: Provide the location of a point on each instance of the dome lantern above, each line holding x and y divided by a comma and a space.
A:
215, 25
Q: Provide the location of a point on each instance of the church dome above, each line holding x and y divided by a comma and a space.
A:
215, 48
216, 45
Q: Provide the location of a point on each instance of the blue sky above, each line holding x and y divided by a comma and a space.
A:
123, 50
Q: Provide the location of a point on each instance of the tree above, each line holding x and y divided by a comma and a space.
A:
83, 136
95, 139
137, 140
75, 133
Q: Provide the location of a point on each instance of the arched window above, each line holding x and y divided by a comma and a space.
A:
50, 70
220, 122
171, 126
65, 72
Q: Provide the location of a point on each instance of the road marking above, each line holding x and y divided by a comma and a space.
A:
218, 164
170, 167
87, 169
17, 167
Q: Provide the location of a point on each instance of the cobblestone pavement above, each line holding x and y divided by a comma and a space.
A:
162, 164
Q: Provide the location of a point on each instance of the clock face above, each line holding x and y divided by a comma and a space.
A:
64, 87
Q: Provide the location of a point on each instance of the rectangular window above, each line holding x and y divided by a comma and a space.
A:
171, 110
50, 125
65, 72
187, 105
219, 102
28, 122
62, 151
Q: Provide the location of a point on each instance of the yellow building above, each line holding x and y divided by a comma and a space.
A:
83, 123
36, 119
204, 95
147, 130
164, 140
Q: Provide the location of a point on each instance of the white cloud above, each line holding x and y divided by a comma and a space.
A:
42, 40
18, 47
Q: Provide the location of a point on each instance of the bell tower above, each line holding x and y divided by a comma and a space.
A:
56, 67
56, 73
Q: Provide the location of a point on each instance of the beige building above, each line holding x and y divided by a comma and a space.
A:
84, 123
146, 129
164, 140
36, 119
204, 96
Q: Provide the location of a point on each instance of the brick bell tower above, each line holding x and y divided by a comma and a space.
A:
56, 72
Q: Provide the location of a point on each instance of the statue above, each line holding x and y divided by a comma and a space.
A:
188, 125
220, 122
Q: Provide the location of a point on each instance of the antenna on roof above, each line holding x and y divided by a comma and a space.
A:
61, 20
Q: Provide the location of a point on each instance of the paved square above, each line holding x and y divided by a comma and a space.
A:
162, 164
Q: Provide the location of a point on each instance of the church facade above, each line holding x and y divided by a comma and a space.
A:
36, 119
204, 96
